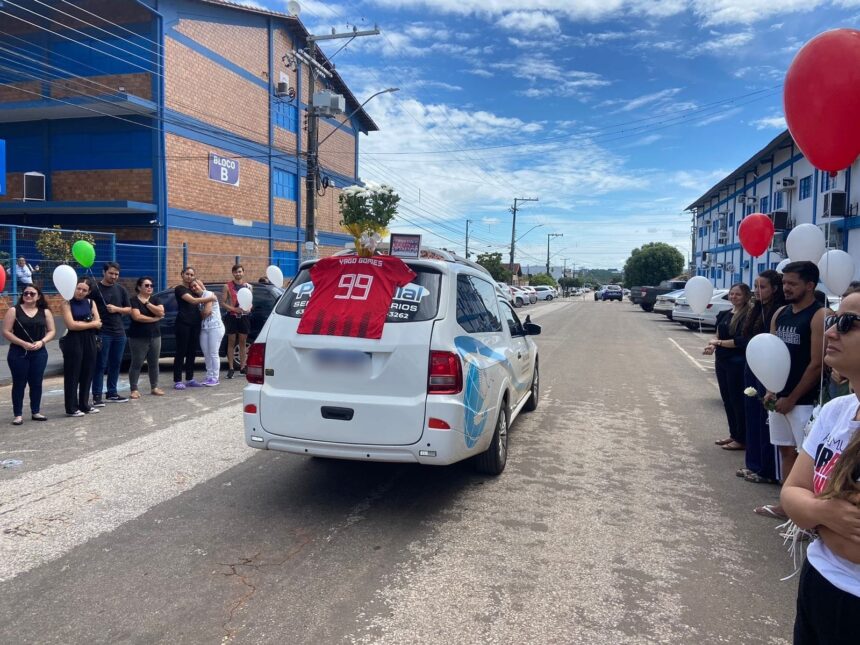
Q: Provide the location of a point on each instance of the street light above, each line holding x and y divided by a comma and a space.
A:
313, 162
548, 237
528, 231
387, 90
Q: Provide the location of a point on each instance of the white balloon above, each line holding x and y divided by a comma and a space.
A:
275, 275
781, 265
805, 243
769, 360
245, 297
698, 292
837, 270
65, 280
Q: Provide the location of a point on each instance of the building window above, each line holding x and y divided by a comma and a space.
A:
805, 187
765, 204
825, 182
731, 219
285, 184
701, 231
715, 226
750, 209
762, 266
777, 201
286, 116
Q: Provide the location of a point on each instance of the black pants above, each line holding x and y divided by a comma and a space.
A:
27, 368
825, 615
79, 367
730, 377
187, 343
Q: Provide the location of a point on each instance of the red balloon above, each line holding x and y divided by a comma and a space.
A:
755, 232
821, 97
2, 278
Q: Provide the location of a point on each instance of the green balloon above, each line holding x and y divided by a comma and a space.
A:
84, 253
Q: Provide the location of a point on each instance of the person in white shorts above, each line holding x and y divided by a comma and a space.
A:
800, 325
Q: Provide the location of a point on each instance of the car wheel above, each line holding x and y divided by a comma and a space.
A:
492, 461
532, 403
647, 308
549, 297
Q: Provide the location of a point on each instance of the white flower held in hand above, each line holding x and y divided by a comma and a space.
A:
751, 391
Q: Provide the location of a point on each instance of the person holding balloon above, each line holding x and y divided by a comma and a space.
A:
211, 332
800, 326
28, 326
237, 321
760, 458
187, 329
81, 316
728, 348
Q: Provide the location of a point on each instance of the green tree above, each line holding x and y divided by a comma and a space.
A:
542, 279
569, 283
492, 262
651, 264
55, 245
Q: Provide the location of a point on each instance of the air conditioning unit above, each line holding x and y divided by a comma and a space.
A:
777, 244
328, 103
785, 184
747, 199
282, 88
833, 236
834, 204
705, 258
34, 187
780, 219
723, 235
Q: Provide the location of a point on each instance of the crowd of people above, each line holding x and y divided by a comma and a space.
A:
94, 342
814, 454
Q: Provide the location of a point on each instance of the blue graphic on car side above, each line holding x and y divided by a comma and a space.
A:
478, 357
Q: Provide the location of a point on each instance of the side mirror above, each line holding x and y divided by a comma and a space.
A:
528, 318
531, 329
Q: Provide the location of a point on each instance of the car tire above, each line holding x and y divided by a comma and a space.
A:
648, 308
532, 403
549, 297
492, 461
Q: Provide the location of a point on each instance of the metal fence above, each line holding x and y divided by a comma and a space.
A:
45, 248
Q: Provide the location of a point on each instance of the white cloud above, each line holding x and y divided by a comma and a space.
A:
629, 105
483, 73
723, 43
720, 116
747, 12
776, 121
527, 22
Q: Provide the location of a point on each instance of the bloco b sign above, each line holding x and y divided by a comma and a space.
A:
223, 169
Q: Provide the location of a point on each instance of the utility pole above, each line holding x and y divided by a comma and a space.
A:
313, 114
514, 229
549, 236
468, 221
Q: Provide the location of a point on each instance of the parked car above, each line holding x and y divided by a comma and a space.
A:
635, 295
545, 292
265, 297
684, 315
532, 293
521, 298
666, 303
648, 295
612, 292
451, 372
506, 291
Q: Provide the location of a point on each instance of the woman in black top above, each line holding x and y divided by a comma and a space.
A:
28, 326
144, 336
760, 466
79, 350
187, 330
728, 347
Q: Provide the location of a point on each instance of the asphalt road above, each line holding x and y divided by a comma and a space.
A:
616, 521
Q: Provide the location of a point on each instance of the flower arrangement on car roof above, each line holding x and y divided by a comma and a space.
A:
366, 211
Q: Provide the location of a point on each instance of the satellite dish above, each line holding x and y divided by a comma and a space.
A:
294, 8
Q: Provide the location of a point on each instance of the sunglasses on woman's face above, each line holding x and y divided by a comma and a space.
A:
843, 322
146, 286
32, 294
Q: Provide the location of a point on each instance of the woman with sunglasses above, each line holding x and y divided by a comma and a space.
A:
822, 494
28, 326
79, 349
144, 336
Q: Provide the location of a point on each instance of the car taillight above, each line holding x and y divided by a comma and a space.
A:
446, 373
709, 306
256, 360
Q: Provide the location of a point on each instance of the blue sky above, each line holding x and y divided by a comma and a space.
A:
616, 114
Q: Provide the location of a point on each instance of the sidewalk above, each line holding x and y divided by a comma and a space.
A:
55, 356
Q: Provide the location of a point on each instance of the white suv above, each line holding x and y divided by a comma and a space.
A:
451, 372
544, 292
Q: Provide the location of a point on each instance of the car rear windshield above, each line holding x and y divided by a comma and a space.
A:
417, 301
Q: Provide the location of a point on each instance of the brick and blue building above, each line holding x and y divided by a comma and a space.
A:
162, 121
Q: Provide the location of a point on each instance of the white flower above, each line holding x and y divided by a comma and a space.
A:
751, 391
